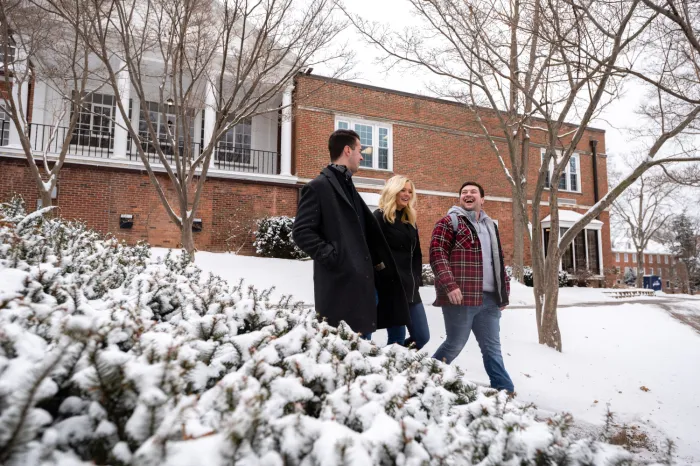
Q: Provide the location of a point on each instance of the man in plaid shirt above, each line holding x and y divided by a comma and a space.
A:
471, 282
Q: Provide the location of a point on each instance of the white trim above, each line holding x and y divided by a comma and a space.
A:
376, 125
567, 173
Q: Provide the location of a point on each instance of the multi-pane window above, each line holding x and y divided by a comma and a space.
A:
634, 257
627, 257
651, 259
375, 139
235, 145
617, 257
581, 254
165, 123
4, 127
570, 179
665, 259
95, 126
658, 258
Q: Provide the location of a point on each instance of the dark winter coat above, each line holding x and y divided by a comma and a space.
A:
405, 247
327, 227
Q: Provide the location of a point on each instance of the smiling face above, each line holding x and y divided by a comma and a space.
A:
470, 198
403, 198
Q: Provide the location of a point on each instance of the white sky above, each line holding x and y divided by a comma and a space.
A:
398, 14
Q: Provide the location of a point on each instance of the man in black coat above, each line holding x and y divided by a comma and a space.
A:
351, 257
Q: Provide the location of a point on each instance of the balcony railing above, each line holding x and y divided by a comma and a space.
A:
85, 142
151, 150
242, 159
92, 143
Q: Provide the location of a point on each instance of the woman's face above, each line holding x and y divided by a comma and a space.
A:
403, 198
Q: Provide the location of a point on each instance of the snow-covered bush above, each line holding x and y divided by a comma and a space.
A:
108, 357
562, 279
273, 238
428, 275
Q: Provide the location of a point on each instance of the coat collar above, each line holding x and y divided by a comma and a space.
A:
334, 182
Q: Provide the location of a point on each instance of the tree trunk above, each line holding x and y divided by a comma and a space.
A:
549, 330
518, 242
639, 281
187, 238
45, 197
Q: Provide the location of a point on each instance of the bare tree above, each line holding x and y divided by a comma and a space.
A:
535, 66
229, 59
643, 210
33, 48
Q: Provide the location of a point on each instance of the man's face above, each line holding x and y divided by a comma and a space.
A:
470, 198
354, 157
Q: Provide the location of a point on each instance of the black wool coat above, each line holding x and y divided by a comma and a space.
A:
405, 247
346, 267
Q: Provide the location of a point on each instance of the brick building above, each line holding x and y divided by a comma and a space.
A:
437, 143
656, 260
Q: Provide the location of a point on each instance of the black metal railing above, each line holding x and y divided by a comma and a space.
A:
4, 132
242, 159
151, 150
82, 141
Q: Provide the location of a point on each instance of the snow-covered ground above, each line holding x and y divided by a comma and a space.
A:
634, 357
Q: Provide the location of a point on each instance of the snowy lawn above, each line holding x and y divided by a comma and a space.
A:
612, 353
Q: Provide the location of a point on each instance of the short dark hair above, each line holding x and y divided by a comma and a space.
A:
472, 183
339, 139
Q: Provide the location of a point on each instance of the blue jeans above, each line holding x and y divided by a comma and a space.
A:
483, 320
418, 329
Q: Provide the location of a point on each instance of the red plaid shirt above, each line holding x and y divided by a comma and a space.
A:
457, 263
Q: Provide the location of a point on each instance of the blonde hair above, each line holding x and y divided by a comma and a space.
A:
387, 200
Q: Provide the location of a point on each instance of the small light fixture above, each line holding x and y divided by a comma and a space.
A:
169, 102
197, 225
126, 221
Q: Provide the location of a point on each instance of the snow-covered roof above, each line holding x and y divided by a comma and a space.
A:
569, 217
622, 244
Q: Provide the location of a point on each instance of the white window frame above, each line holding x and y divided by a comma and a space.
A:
567, 172
617, 257
352, 121
627, 257
651, 258
4, 125
634, 257
665, 259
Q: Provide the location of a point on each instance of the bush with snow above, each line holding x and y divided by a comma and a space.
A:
428, 275
107, 357
528, 280
273, 238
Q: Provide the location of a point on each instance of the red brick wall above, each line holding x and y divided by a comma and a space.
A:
99, 196
430, 147
668, 270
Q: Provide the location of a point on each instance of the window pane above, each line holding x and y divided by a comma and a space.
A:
383, 148
365, 132
580, 246
567, 260
572, 165
343, 125
593, 265
562, 181
4, 127
574, 182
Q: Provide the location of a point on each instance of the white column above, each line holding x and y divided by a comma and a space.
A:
209, 114
286, 142
39, 104
13, 139
120, 132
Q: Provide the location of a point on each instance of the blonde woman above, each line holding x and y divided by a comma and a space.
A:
397, 218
